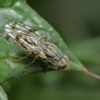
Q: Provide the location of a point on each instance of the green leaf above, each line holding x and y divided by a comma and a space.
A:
3, 95
19, 11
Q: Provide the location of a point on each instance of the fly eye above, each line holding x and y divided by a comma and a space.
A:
61, 64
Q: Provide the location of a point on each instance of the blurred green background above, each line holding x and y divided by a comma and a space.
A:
78, 22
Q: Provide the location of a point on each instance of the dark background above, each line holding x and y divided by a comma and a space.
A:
78, 22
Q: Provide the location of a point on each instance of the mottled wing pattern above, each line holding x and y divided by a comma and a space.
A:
36, 43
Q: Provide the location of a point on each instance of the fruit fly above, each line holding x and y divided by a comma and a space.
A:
37, 45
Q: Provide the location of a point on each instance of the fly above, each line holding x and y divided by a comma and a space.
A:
37, 45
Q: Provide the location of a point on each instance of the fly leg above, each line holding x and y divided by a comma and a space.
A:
22, 57
30, 62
